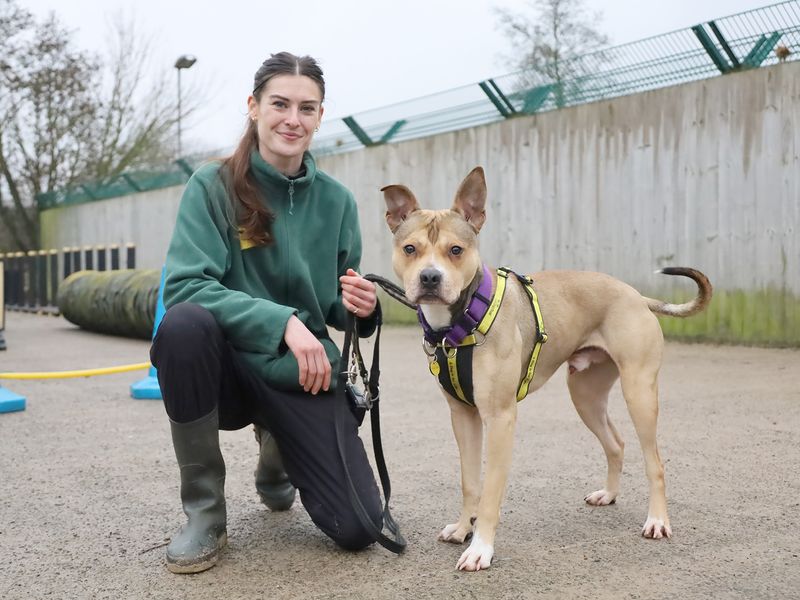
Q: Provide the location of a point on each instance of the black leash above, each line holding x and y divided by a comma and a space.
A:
369, 400
395, 291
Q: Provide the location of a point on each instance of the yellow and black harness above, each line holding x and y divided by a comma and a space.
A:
450, 350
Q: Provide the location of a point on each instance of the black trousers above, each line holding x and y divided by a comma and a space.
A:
199, 370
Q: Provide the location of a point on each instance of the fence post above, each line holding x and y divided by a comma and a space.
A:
88, 263
115, 257
130, 258
75, 254
41, 280
67, 264
19, 280
101, 258
53, 289
30, 280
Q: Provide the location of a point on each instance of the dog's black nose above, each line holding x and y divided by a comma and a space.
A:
430, 278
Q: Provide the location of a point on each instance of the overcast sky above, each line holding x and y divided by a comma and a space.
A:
373, 53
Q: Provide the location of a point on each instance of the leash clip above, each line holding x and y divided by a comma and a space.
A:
359, 398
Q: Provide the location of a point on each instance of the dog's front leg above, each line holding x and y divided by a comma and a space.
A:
500, 442
468, 431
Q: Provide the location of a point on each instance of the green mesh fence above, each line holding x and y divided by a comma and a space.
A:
743, 41
130, 182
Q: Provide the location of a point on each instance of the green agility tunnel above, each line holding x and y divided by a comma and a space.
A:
114, 302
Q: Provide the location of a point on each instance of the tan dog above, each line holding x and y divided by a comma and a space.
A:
601, 326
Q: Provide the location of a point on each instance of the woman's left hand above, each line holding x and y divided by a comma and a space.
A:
358, 294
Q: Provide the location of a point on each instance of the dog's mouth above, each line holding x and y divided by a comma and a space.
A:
429, 298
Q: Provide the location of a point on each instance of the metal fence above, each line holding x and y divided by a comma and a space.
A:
746, 40
131, 182
32, 278
743, 41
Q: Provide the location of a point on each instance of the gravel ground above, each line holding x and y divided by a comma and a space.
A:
89, 486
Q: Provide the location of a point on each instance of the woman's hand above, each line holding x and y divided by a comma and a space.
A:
358, 294
315, 368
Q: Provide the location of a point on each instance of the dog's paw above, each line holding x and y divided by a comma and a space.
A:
656, 529
455, 533
601, 498
478, 556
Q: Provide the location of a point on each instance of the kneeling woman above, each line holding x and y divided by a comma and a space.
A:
263, 258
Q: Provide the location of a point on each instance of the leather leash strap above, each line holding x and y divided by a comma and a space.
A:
398, 544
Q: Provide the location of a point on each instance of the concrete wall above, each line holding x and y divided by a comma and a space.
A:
145, 219
702, 174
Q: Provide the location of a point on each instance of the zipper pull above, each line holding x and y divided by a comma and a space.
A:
291, 196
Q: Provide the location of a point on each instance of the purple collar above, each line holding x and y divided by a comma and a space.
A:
467, 321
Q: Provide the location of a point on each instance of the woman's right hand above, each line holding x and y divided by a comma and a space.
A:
315, 368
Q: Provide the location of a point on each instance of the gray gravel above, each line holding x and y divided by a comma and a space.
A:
88, 485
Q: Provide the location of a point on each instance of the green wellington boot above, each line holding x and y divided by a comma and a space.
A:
272, 483
197, 546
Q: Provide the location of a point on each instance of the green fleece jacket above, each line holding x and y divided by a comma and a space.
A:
252, 291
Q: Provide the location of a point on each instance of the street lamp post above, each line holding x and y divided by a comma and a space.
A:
184, 62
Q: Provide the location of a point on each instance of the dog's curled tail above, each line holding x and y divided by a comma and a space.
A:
686, 309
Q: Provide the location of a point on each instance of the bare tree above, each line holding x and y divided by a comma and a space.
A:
65, 118
548, 40
134, 126
46, 107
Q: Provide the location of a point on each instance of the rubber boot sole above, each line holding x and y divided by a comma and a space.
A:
203, 565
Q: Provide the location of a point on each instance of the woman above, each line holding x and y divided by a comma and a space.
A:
264, 257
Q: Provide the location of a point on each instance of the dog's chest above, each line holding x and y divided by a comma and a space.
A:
437, 316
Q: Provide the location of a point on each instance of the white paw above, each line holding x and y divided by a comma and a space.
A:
601, 498
454, 533
656, 529
478, 556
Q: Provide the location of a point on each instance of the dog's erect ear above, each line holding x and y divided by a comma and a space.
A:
400, 202
470, 199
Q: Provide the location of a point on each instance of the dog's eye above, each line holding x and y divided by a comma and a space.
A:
409, 249
456, 250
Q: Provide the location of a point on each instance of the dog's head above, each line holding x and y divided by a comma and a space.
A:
436, 251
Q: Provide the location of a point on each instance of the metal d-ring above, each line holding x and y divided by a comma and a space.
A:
447, 350
482, 338
352, 371
429, 349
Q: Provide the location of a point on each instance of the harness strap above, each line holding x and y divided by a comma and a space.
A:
541, 336
494, 307
456, 376
453, 365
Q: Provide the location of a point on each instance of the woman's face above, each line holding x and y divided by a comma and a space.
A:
286, 116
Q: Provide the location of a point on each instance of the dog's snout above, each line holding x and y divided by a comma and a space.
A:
430, 278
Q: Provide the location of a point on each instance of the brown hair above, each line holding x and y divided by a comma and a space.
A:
250, 207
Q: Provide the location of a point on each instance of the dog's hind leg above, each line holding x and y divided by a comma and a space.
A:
640, 388
589, 390
468, 430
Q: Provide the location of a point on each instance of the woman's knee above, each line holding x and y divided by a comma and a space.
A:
353, 536
187, 328
344, 526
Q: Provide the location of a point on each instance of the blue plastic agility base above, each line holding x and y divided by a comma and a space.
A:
10, 402
148, 388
